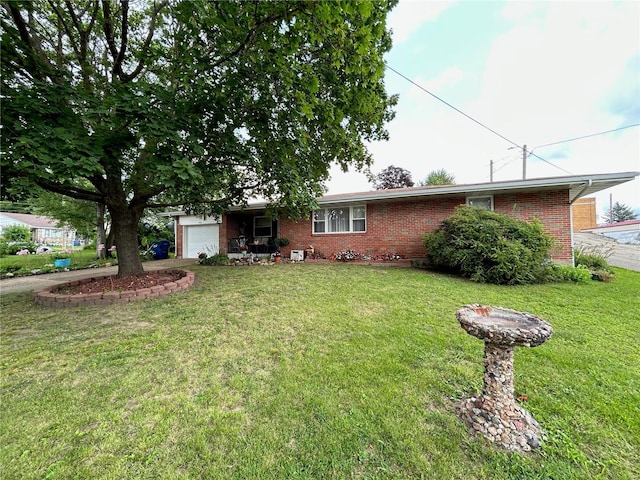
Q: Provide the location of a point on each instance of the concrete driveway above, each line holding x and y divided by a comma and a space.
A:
622, 255
37, 282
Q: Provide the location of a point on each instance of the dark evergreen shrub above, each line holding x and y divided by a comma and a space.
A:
489, 247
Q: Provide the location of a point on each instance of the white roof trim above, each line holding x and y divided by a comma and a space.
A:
579, 186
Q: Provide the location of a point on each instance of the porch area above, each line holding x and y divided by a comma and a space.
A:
251, 233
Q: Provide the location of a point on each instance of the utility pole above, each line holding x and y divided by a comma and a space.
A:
524, 162
491, 171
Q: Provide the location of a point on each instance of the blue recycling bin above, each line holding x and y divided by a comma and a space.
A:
161, 249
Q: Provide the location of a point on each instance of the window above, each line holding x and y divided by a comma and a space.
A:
481, 202
262, 226
340, 219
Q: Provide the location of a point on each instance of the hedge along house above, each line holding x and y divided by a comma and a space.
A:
393, 221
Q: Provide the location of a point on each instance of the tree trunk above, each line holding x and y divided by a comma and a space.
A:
100, 227
124, 225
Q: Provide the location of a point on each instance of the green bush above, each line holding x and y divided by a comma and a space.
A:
17, 233
217, 259
592, 261
13, 247
567, 273
490, 247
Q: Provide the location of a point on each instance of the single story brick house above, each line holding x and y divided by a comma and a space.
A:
392, 221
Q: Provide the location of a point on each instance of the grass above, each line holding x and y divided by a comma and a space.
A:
313, 372
44, 263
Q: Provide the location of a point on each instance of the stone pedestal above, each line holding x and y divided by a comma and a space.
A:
495, 413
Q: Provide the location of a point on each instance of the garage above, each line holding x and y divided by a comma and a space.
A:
200, 235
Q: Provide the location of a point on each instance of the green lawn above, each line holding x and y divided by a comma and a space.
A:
317, 372
25, 264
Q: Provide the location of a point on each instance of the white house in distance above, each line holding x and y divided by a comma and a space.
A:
44, 230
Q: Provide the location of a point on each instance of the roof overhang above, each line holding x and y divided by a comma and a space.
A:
577, 185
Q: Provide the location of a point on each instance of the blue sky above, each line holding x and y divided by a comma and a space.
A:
535, 72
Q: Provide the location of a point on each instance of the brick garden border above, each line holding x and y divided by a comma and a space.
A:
46, 298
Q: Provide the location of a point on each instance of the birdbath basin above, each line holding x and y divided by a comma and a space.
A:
495, 413
503, 326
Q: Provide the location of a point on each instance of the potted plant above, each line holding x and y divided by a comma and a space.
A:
280, 242
61, 260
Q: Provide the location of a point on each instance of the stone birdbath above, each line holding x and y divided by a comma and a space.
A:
495, 413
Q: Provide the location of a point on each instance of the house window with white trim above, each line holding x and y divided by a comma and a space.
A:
340, 219
481, 202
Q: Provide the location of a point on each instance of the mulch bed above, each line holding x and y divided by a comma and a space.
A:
115, 284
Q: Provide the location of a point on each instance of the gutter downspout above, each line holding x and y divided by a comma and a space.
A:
571, 202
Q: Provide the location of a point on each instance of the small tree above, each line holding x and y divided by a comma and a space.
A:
619, 213
77, 214
439, 177
490, 247
393, 177
17, 233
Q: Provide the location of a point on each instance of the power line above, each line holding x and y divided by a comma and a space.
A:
451, 106
471, 118
587, 136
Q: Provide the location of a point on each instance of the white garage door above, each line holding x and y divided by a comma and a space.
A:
200, 238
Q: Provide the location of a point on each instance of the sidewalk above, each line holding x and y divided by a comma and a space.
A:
37, 282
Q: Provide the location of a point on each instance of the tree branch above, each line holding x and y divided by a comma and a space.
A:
70, 191
147, 42
33, 51
107, 27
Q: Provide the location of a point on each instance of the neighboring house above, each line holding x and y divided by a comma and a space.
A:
623, 232
44, 230
393, 221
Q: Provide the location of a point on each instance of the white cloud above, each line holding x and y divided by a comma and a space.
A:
562, 70
408, 16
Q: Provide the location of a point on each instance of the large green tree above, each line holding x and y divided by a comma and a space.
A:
201, 104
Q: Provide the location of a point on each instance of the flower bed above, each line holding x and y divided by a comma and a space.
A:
78, 293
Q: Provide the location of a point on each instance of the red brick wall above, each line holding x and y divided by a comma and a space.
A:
552, 208
398, 227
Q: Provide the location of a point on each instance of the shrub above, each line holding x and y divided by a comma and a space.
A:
14, 247
490, 247
17, 233
567, 273
592, 261
217, 259
602, 276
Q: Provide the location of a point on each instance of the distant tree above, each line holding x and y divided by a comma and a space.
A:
619, 213
77, 214
17, 233
15, 207
393, 177
438, 177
